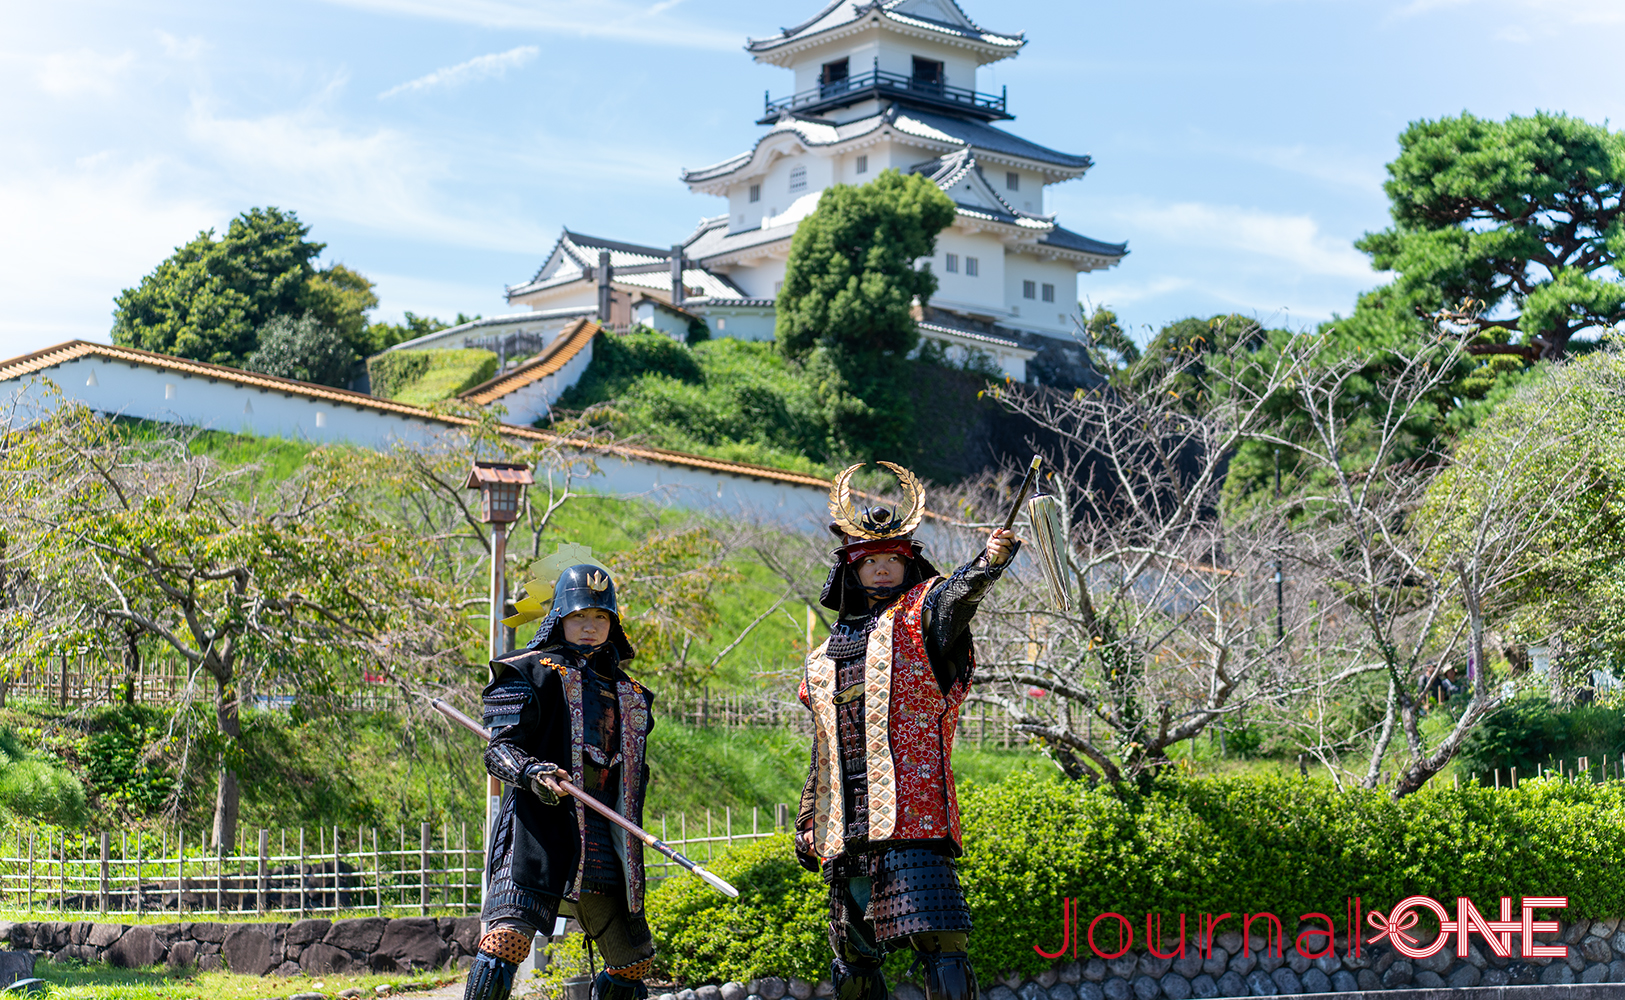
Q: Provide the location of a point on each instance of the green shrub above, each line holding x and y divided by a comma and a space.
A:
775, 928
122, 764
619, 360
392, 371
35, 790
1224, 845
1530, 732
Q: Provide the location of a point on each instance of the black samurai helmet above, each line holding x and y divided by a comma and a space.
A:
869, 531
579, 588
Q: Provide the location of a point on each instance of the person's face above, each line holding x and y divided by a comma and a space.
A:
587, 627
883, 570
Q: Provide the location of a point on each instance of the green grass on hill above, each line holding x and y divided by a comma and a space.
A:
449, 372
103, 982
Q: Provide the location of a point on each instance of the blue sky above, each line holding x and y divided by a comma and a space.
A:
438, 145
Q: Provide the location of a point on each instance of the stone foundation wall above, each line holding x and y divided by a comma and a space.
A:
316, 947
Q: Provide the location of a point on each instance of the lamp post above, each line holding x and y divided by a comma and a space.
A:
502, 487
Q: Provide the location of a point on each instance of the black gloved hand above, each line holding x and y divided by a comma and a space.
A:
805, 855
533, 781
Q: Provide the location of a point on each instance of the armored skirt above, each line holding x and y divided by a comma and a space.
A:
584, 714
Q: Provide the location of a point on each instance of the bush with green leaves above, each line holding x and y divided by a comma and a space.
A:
775, 927
1529, 732
1218, 845
423, 377
35, 790
303, 348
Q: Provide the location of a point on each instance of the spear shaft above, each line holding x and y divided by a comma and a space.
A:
562, 779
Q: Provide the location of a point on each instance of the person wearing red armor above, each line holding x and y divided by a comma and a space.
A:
879, 817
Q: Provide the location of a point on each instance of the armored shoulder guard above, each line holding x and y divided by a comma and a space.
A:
506, 698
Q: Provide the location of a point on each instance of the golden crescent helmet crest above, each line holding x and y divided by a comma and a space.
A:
876, 523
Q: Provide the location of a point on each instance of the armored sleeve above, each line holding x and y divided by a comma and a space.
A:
804, 817
952, 604
512, 715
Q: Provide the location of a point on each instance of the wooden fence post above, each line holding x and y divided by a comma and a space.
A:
102, 895
180, 871
265, 870
337, 885
423, 871
303, 884
140, 908
462, 842
781, 816
220, 878
30, 871
377, 874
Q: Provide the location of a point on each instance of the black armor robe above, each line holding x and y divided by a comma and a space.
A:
584, 714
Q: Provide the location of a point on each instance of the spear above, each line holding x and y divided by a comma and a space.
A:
562, 779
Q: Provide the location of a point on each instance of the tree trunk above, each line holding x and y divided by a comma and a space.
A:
226, 792
132, 664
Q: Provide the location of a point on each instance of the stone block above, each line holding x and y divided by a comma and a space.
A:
320, 959
413, 943
210, 963
286, 970
1368, 980
823, 988
1117, 989
1230, 941
1616, 971
1049, 977
1343, 981
1467, 975
1259, 984
361, 935
1000, 992
248, 950
1575, 933
1521, 973
15, 965
1475, 958
1014, 980
1175, 986
1575, 960
465, 934
689, 994
1557, 974
1296, 961
1269, 961
1399, 974
1071, 973
798, 988
1028, 991
1243, 963
1427, 979
771, 988
1090, 991
1327, 963
1287, 981
1189, 965
1595, 974
1203, 987
1146, 988
906, 991
1124, 966
707, 992
1381, 963
182, 954
1595, 949
1062, 991
303, 932
1094, 970
1316, 981
102, 935
137, 948
167, 933
1154, 966
1232, 985
735, 991
1440, 961
1216, 962
204, 931
79, 931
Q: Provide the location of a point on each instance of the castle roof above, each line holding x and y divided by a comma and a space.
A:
943, 20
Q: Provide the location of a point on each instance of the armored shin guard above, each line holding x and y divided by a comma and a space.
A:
490, 978
609, 986
948, 976
857, 982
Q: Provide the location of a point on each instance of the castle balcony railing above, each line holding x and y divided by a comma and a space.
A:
882, 85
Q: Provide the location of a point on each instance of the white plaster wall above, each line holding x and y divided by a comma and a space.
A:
760, 277
744, 323
535, 401
1035, 313
986, 291
667, 322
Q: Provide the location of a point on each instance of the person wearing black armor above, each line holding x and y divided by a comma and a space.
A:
567, 699
879, 817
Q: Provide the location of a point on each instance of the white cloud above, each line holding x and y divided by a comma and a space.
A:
188, 48
1293, 240
479, 68
83, 72
623, 20
91, 229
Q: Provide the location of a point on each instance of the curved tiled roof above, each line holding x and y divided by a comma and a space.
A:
569, 343
844, 13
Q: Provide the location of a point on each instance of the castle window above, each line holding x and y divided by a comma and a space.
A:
952, 264
863, 164
798, 179
1029, 289
755, 193
927, 76
1049, 293
1012, 180
972, 267
833, 79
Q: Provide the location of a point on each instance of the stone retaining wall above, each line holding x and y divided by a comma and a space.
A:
316, 947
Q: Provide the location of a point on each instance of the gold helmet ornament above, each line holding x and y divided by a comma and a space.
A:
875, 523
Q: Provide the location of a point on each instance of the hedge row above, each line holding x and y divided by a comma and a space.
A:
1246, 844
